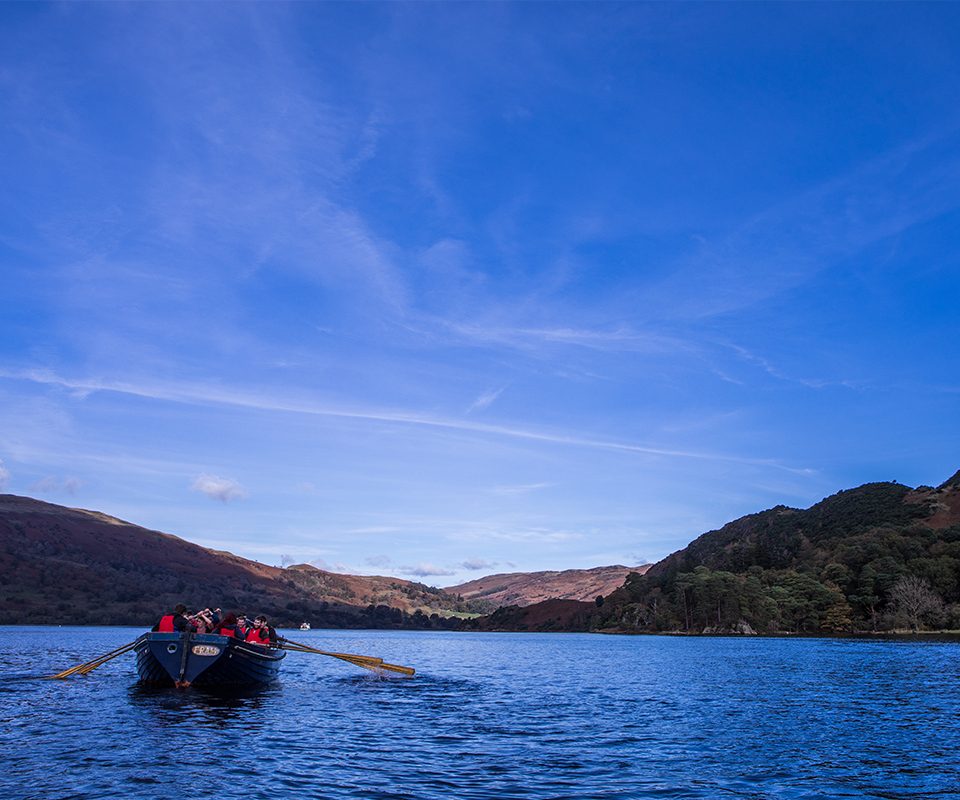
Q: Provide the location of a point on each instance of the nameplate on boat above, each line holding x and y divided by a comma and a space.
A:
205, 650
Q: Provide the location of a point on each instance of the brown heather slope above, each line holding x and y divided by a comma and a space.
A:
365, 590
527, 588
72, 566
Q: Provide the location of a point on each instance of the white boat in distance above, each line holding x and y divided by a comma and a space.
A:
304, 626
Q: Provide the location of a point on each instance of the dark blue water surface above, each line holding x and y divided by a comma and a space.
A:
494, 716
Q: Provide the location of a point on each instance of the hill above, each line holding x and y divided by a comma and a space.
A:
73, 566
526, 588
880, 556
544, 616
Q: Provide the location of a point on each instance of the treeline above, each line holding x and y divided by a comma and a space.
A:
769, 601
863, 560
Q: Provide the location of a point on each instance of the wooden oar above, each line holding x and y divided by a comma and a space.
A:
306, 648
367, 662
374, 664
68, 672
390, 667
89, 666
99, 663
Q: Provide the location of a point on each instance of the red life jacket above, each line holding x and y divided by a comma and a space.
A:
228, 631
166, 624
258, 637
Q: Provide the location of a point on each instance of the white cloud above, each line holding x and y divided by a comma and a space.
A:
222, 489
423, 570
478, 563
4, 476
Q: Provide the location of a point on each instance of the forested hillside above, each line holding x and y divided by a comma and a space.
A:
879, 557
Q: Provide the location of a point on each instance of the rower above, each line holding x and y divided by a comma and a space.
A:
228, 626
262, 633
173, 623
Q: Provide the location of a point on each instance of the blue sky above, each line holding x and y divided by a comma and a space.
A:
438, 290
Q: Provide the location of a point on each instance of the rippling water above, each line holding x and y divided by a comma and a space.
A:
494, 716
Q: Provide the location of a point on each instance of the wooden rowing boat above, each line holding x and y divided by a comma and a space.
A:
207, 659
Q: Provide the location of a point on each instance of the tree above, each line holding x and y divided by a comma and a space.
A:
915, 600
837, 616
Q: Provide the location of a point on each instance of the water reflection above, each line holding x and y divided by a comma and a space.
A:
205, 707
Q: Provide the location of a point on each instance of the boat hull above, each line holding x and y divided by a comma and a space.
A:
208, 660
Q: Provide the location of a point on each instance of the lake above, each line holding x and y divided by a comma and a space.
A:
544, 716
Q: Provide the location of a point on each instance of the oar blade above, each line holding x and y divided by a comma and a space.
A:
92, 664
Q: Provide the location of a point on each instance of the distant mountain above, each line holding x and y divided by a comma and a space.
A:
526, 588
72, 566
880, 556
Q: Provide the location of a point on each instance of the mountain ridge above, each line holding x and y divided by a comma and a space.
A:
527, 588
73, 565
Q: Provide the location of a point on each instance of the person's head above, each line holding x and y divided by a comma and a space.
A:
230, 619
260, 621
180, 609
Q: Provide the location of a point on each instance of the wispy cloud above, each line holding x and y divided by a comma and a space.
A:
51, 483
515, 534
775, 372
485, 400
520, 488
620, 339
204, 395
378, 561
217, 488
787, 244
365, 529
4, 477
